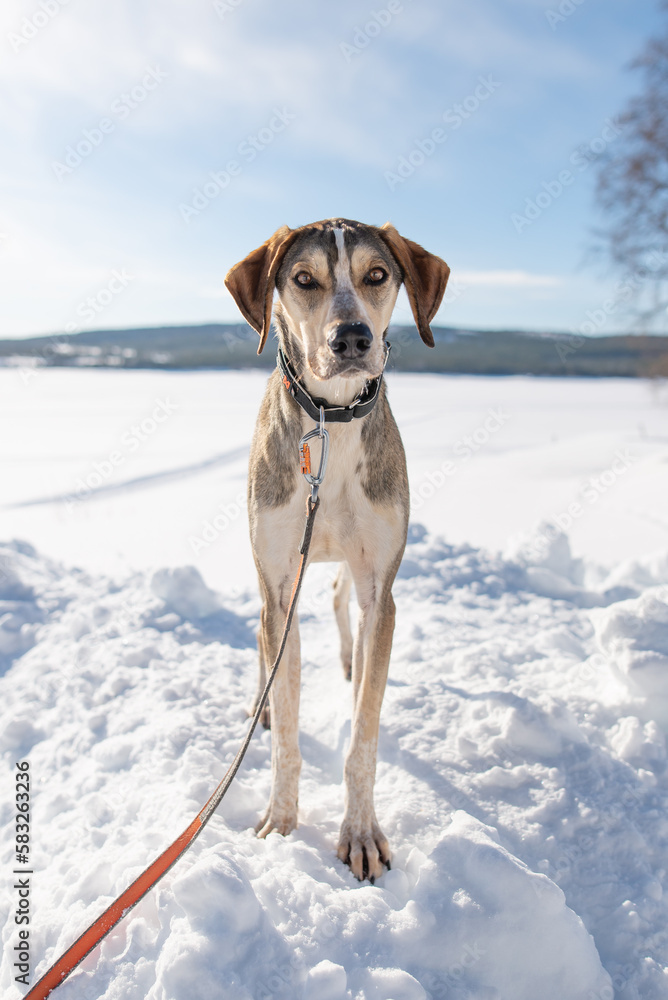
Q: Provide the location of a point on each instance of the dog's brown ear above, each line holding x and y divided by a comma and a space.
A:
251, 282
425, 277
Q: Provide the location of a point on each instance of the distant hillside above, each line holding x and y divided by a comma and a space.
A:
502, 352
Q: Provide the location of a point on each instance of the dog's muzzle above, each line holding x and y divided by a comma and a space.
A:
350, 341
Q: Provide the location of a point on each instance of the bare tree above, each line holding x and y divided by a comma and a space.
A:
632, 190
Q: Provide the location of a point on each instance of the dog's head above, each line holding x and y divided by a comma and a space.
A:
337, 283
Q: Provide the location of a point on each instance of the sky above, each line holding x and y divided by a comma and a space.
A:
148, 147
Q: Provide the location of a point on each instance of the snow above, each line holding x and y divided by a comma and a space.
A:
522, 756
634, 636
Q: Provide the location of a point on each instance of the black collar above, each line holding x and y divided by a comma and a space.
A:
364, 403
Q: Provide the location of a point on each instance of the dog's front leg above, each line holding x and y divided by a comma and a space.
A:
362, 843
342, 612
284, 698
265, 716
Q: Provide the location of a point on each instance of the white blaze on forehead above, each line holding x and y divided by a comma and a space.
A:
338, 236
341, 270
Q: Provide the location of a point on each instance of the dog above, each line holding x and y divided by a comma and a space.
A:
337, 282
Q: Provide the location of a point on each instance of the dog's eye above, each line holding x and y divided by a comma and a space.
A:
375, 276
305, 280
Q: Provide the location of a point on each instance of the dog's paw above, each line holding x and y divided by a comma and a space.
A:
365, 851
265, 715
347, 664
283, 821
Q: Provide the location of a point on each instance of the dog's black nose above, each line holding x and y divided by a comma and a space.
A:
351, 340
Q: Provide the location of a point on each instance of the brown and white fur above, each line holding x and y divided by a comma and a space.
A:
337, 282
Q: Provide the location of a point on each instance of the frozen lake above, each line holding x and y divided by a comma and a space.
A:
488, 459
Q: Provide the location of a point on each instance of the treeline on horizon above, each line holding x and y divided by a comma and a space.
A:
470, 352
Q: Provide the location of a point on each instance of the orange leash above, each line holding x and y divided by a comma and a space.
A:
91, 937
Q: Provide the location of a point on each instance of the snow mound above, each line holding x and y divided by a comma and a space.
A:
633, 634
184, 591
19, 610
549, 567
487, 907
326, 981
637, 575
523, 792
19, 571
30, 588
214, 902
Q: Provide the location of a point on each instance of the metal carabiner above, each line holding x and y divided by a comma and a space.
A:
305, 455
